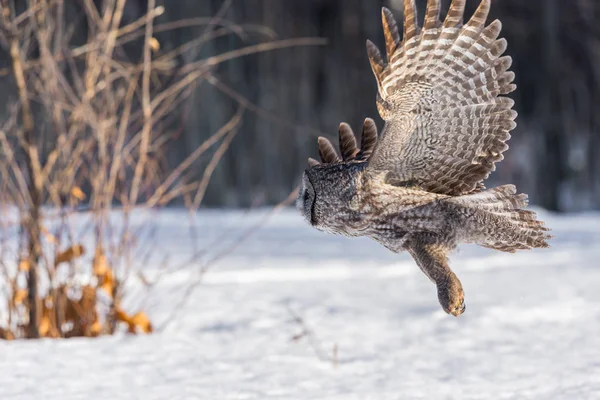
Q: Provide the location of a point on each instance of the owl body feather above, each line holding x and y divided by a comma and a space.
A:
418, 187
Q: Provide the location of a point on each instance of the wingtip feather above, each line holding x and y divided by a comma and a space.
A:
368, 138
390, 31
376, 61
312, 162
481, 14
411, 27
455, 15
432, 15
327, 151
347, 142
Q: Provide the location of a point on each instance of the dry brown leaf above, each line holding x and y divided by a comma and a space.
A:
95, 329
154, 44
70, 254
81, 313
108, 287
45, 325
49, 236
47, 328
78, 193
142, 321
122, 315
139, 320
24, 265
20, 296
100, 263
6, 334
107, 282
131, 329
104, 273
88, 298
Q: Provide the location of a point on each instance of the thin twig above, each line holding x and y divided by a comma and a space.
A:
246, 234
314, 342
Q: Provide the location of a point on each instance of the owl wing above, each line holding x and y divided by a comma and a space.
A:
439, 94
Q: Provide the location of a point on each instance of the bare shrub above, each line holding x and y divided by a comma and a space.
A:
83, 148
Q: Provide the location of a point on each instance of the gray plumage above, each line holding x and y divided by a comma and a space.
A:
419, 185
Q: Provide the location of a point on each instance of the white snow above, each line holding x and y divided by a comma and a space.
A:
531, 329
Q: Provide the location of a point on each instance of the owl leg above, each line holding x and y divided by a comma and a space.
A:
431, 255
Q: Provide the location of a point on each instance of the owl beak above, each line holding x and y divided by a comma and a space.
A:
300, 199
306, 199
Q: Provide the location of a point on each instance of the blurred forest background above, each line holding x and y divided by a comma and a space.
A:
295, 94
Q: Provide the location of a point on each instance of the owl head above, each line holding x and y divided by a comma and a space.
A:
329, 187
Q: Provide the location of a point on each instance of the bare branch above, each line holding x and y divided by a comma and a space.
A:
146, 107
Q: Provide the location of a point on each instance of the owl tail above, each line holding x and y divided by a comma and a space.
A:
501, 221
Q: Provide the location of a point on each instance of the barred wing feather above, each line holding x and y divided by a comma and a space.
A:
440, 94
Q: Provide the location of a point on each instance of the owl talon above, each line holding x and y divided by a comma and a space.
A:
451, 296
459, 310
456, 311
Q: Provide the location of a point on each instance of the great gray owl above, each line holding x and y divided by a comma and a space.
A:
419, 186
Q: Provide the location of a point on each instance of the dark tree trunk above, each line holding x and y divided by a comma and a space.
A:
551, 171
304, 92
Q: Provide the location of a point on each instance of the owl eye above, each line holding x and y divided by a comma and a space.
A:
305, 195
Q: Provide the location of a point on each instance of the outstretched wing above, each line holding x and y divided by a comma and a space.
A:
439, 94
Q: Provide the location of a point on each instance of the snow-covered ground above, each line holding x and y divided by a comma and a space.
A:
531, 329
